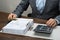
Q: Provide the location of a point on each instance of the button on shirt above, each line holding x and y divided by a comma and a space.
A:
40, 4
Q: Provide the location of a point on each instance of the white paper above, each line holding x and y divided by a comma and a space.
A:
19, 26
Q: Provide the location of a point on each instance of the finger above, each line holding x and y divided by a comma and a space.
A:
53, 22
49, 22
14, 16
10, 17
54, 25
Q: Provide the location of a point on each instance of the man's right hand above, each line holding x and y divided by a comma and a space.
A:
12, 16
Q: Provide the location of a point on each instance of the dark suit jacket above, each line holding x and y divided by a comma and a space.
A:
59, 6
51, 9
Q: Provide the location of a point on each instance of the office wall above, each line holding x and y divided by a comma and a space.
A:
10, 5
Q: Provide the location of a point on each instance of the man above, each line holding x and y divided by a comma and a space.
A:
43, 9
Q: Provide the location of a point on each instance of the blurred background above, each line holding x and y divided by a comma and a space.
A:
10, 5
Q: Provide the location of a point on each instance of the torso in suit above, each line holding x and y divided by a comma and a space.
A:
51, 9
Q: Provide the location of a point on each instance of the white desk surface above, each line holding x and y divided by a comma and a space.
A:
55, 35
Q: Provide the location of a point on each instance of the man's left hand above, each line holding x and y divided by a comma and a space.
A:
51, 22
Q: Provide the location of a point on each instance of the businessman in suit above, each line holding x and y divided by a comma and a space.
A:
43, 9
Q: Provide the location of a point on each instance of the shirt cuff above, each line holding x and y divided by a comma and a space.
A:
57, 21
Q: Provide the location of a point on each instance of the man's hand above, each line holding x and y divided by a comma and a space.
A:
51, 22
12, 16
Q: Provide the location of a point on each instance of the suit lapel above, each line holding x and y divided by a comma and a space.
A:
36, 7
34, 3
47, 6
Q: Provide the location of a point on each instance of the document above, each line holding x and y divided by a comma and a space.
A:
19, 26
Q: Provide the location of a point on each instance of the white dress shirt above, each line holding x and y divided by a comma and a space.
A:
40, 4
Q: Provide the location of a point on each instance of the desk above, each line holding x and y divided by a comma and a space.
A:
4, 36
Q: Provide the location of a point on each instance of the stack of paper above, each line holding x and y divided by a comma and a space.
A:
19, 26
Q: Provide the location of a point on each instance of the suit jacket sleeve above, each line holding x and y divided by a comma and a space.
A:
21, 7
58, 17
